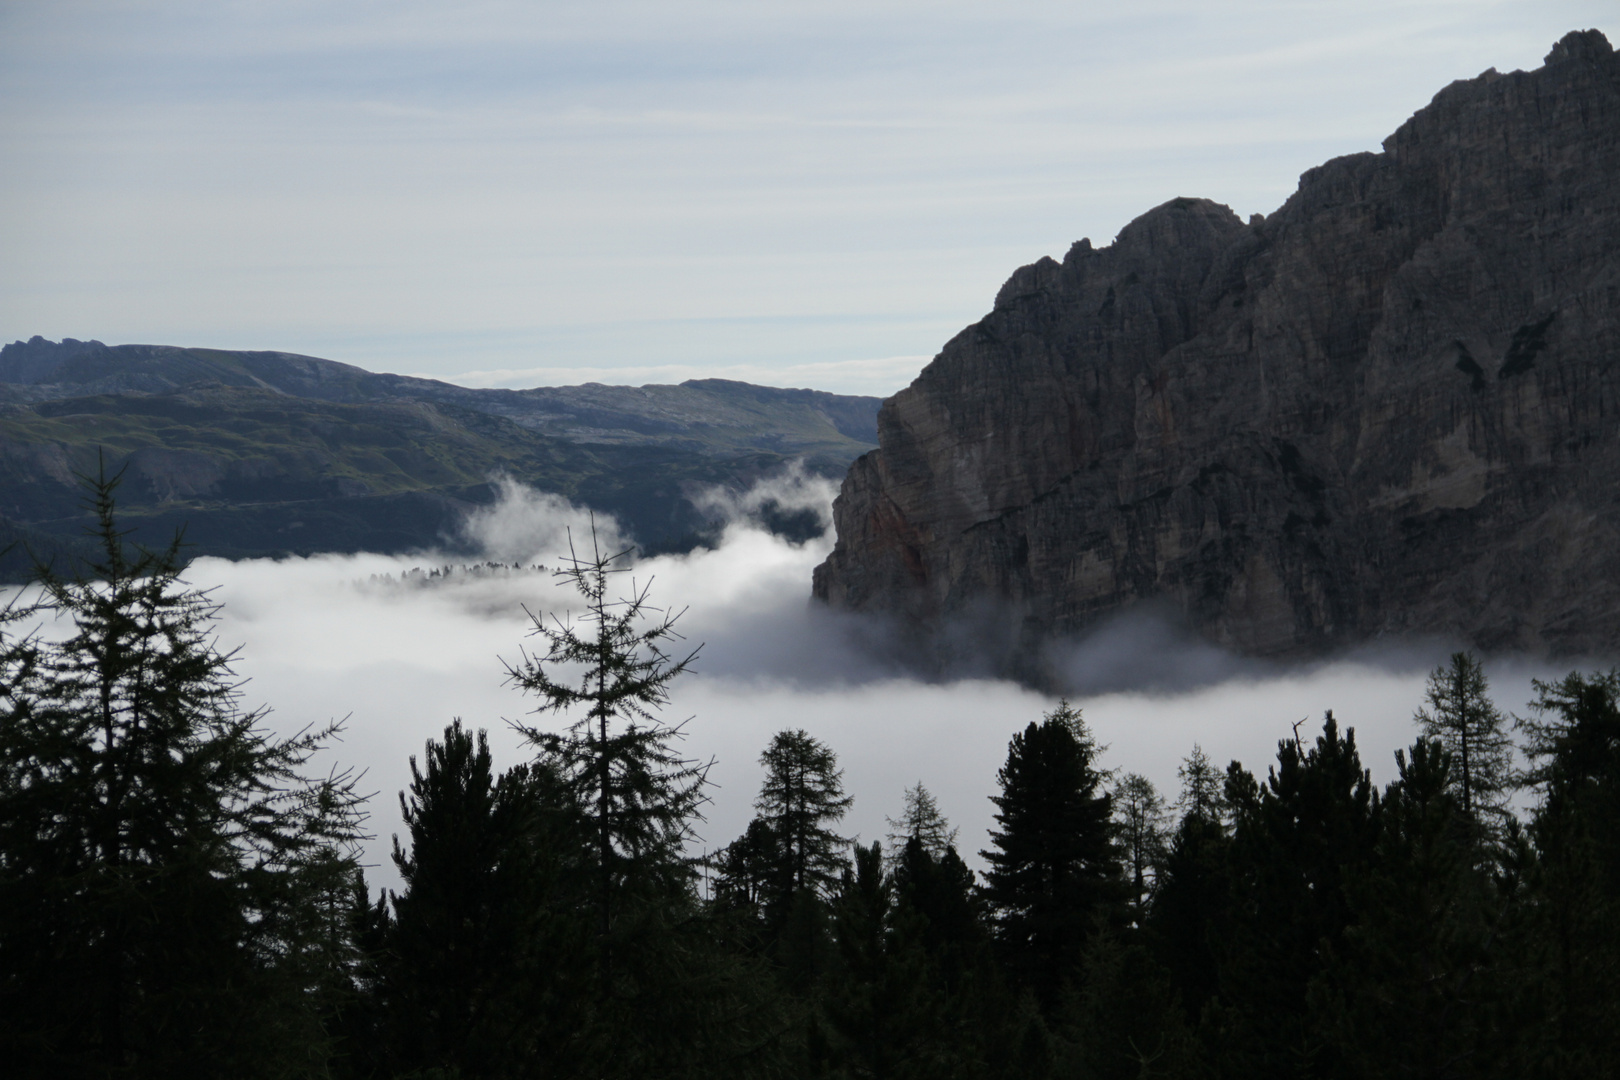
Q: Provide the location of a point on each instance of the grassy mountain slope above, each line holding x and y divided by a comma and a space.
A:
268, 453
709, 415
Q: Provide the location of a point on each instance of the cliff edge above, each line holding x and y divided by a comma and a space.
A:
1390, 408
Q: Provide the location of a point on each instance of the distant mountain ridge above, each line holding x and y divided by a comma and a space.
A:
714, 414
267, 453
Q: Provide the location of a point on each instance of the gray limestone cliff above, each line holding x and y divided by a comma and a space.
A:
1390, 408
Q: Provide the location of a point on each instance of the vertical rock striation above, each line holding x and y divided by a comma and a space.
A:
1392, 407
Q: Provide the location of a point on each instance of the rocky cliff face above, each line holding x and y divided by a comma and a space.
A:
1390, 408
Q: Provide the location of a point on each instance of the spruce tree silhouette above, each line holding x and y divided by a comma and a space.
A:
1054, 865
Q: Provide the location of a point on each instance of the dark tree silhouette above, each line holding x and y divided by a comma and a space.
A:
1192, 899
1054, 866
1202, 787
1409, 982
803, 794
618, 758
745, 869
173, 887
919, 820
491, 911
1572, 933
1299, 840
1458, 713
1140, 819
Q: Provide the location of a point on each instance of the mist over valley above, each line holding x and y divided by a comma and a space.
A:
399, 652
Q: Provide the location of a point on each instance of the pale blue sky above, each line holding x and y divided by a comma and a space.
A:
539, 193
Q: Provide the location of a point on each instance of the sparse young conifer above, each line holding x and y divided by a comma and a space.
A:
1141, 818
919, 820
639, 794
1202, 786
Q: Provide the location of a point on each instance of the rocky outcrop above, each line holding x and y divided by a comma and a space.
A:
1390, 408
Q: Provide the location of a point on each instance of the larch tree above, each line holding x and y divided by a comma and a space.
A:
666, 1001
174, 885
802, 796
1192, 897
1140, 816
613, 663
1459, 714
1202, 785
919, 820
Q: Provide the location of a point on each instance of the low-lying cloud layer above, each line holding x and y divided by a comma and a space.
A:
400, 646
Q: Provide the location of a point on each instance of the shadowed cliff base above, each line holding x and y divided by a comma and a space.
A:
1384, 412
1146, 649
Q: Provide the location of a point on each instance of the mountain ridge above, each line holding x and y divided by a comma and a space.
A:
1386, 409
39, 369
273, 453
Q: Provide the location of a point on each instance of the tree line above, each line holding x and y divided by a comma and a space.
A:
181, 896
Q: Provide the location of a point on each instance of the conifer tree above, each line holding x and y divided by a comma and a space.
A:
893, 1007
1300, 839
1140, 819
1571, 943
863, 1010
1192, 898
173, 886
921, 820
1123, 1021
938, 922
1054, 865
618, 759
1202, 786
671, 998
1459, 714
745, 869
942, 893
490, 924
1409, 983
803, 794
937, 904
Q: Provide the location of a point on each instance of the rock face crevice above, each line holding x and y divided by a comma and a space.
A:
1390, 408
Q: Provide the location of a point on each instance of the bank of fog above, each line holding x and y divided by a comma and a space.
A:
400, 646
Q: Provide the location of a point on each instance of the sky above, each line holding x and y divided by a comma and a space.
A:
518, 194
359, 638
